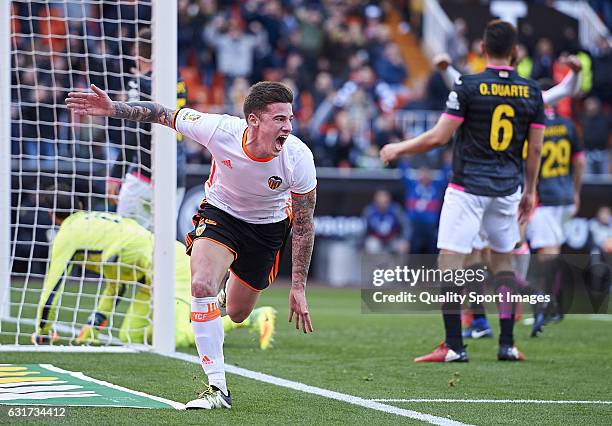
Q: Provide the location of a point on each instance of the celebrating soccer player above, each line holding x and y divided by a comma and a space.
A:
262, 181
494, 112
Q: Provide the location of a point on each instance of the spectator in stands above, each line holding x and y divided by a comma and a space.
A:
436, 91
543, 60
386, 131
378, 36
458, 45
295, 70
527, 36
601, 226
423, 201
235, 49
338, 48
269, 14
384, 225
570, 43
475, 60
378, 92
323, 88
310, 19
45, 115
237, 94
602, 71
391, 69
188, 15
264, 57
524, 63
596, 126
339, 143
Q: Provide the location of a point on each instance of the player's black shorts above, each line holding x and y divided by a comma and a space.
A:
257, 248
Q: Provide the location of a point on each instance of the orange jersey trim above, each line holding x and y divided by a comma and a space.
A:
297, 194
173, 121
248, 154
213, 169
274, 270
221, 244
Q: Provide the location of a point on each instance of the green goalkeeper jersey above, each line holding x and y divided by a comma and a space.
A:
117, 248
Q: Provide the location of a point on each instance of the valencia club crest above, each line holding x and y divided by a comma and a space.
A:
274, 182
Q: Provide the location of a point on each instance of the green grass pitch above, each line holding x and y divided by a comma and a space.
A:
369, 356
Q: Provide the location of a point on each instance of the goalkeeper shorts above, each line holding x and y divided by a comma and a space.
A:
257, 248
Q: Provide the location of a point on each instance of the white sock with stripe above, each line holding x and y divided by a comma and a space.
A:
208, 332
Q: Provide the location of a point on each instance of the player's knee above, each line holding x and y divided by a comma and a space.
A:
237, 314
204, 287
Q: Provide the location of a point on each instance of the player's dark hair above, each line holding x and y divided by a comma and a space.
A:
143, 44
499, 38
60, 199
265, 93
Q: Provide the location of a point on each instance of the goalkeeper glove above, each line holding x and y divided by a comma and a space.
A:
44, 339
89, 333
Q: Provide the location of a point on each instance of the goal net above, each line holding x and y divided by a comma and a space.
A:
57, 47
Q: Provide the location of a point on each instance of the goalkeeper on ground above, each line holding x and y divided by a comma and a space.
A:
121, 252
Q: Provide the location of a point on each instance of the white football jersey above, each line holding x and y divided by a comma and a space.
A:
251, 189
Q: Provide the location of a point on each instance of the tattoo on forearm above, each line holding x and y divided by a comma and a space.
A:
303, 236
148, 112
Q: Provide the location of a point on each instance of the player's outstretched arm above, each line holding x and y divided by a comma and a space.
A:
302, 243
444, 64
439, 135
569, 86
98, 103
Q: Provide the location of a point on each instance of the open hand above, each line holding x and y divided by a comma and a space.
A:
299, 307
90, 103
526, 207
389, 152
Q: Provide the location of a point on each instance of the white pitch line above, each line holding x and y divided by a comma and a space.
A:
493, 401
600, 317
81, 376
355, 400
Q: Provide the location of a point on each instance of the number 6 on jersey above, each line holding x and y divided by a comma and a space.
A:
500, 123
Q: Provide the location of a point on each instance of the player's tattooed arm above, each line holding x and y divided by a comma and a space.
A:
147, 112
303, 236
303, 241
98, 103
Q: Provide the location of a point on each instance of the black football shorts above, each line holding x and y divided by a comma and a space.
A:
257, 248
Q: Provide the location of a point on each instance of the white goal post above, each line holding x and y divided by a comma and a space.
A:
164, 154
5, 158
41, 143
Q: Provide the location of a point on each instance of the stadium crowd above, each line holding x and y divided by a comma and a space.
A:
351, 79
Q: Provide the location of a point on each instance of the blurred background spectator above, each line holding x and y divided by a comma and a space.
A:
601, 227
423, 197
385, 226
596, 126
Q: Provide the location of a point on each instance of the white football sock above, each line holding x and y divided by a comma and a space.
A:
208, 332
